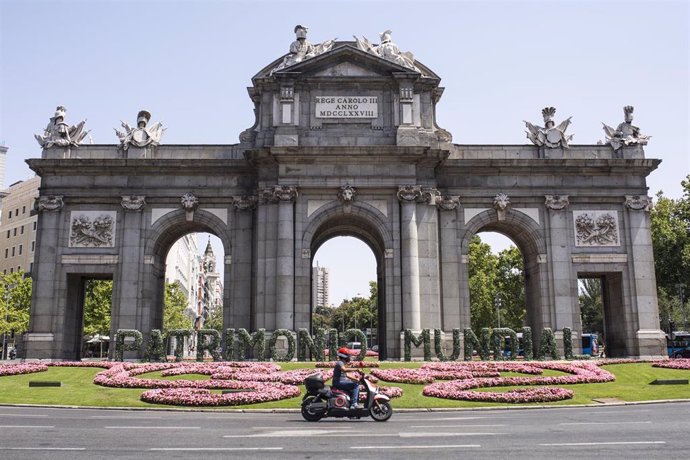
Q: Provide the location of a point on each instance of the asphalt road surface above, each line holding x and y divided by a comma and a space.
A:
648, 431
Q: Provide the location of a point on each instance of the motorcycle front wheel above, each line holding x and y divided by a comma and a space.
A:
381, 411
306, 413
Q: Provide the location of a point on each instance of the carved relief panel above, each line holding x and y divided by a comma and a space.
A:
596, 228
92, 229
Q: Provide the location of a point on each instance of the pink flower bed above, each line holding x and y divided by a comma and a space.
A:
679, 363
519, 395
352, 364
255, 393
580, 372
23, 368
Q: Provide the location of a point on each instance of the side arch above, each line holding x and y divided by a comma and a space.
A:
529, 238
159, 239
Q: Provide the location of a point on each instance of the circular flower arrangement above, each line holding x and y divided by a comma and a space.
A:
680, 363
250, 393
24, 368
580, 372
519, 395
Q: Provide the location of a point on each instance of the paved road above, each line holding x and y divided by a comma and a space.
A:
647, 431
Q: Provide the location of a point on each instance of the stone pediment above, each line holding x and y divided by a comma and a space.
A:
344, 60
346, 69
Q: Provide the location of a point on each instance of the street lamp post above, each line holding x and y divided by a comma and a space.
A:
681, 296
8, 288
497, 302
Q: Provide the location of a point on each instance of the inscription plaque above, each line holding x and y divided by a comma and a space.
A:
346, 106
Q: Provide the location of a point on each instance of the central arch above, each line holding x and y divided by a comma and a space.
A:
365, 223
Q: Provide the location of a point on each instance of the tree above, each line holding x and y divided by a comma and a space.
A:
482, 280
215, 319
97, 305
592, 306
357, 312
174, 307
511, 288
670, 224
15, 294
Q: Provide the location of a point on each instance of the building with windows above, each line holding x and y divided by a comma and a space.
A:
320, 289
18, 226
209, 285
181, 267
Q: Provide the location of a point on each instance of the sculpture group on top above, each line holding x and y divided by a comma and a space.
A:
550, 136
626, 134
59, 134
301, 49
387, 50
141, 136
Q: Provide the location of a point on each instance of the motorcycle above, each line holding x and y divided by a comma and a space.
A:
323, 401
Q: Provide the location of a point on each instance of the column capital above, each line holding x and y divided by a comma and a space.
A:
447, 203
278, 193
557, 202
245, 202
638, 202
409, 193
133, 202
49, 203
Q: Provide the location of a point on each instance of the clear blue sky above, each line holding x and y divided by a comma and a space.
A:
189, 63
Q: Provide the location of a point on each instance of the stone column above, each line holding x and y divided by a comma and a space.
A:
45, 338
450, 263
285, 261
650, 339
408, 196
127, 314
563, 310
238, 267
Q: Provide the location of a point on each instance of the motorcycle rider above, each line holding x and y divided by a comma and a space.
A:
344, 380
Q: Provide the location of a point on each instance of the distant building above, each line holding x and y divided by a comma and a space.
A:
209, 285
18, 225
181, 266
3, 162
320, 288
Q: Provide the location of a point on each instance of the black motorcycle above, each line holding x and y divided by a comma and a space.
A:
322, 401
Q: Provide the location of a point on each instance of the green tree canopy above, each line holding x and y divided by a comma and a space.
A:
670, 224
15, 294
175, 305
97, 305
592, 305
496, 280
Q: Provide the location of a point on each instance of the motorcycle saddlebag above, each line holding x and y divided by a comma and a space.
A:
314, 383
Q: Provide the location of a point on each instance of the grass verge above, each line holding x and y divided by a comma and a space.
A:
632, 384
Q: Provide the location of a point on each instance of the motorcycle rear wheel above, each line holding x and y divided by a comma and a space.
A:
381, 411
308, 415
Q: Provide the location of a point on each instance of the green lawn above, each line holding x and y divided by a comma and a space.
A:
632, 384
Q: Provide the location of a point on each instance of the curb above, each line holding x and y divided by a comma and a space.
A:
297, 411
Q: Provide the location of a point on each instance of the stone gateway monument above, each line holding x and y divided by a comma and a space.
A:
345, 142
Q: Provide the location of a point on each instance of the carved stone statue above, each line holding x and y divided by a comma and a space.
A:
301, 49
550, 136
626, 134
387, 50
346, 194
141, 136
60, 134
